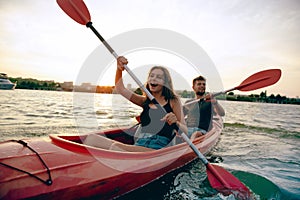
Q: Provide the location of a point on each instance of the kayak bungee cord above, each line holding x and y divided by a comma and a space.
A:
46, 182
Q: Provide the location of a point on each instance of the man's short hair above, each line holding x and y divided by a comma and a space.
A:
199, 78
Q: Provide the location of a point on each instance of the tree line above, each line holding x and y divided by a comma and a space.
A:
262, 97
34, 84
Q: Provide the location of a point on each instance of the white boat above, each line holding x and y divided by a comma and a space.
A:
5, 83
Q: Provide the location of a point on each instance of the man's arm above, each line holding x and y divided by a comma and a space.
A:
218, 108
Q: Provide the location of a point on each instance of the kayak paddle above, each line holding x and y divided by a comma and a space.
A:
219, 178
255, 81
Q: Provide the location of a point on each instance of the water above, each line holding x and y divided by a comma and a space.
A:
259, 144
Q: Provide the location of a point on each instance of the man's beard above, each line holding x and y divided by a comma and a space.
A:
200, 93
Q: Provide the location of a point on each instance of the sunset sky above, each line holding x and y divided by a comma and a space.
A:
241, 37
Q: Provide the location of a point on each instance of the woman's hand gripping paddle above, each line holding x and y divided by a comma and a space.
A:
219, 178
255, 81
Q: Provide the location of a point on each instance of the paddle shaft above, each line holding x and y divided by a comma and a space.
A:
151, 97
240, 87
78, 11
89, 24
110, 49
204, 160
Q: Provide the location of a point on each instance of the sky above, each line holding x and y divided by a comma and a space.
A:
241, 37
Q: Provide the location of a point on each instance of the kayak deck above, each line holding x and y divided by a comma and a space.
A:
80, 171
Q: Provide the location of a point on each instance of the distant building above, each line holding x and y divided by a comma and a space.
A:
85, 87
67, 86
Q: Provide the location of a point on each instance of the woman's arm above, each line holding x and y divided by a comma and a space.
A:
128, 94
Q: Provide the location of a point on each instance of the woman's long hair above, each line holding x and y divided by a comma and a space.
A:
167, 90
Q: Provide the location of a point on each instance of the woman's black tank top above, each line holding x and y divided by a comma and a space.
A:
151, 121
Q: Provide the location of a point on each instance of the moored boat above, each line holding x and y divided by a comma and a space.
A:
5, 83
63, 167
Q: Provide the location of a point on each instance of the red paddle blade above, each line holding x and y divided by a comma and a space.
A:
226, 183
76, 9
260, 80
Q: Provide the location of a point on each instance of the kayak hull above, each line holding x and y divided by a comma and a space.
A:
76, 170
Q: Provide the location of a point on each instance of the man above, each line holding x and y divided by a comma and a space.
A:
199, 113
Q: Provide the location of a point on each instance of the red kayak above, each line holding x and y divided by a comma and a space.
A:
62, 167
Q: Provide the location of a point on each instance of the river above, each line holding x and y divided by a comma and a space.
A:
259, 143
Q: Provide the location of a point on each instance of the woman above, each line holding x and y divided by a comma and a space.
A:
157, 127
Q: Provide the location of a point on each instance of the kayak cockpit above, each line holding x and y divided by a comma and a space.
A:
75, 143
125, 136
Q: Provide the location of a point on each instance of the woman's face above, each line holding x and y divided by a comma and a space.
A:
156, 80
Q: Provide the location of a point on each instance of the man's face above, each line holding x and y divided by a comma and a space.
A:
199, 87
